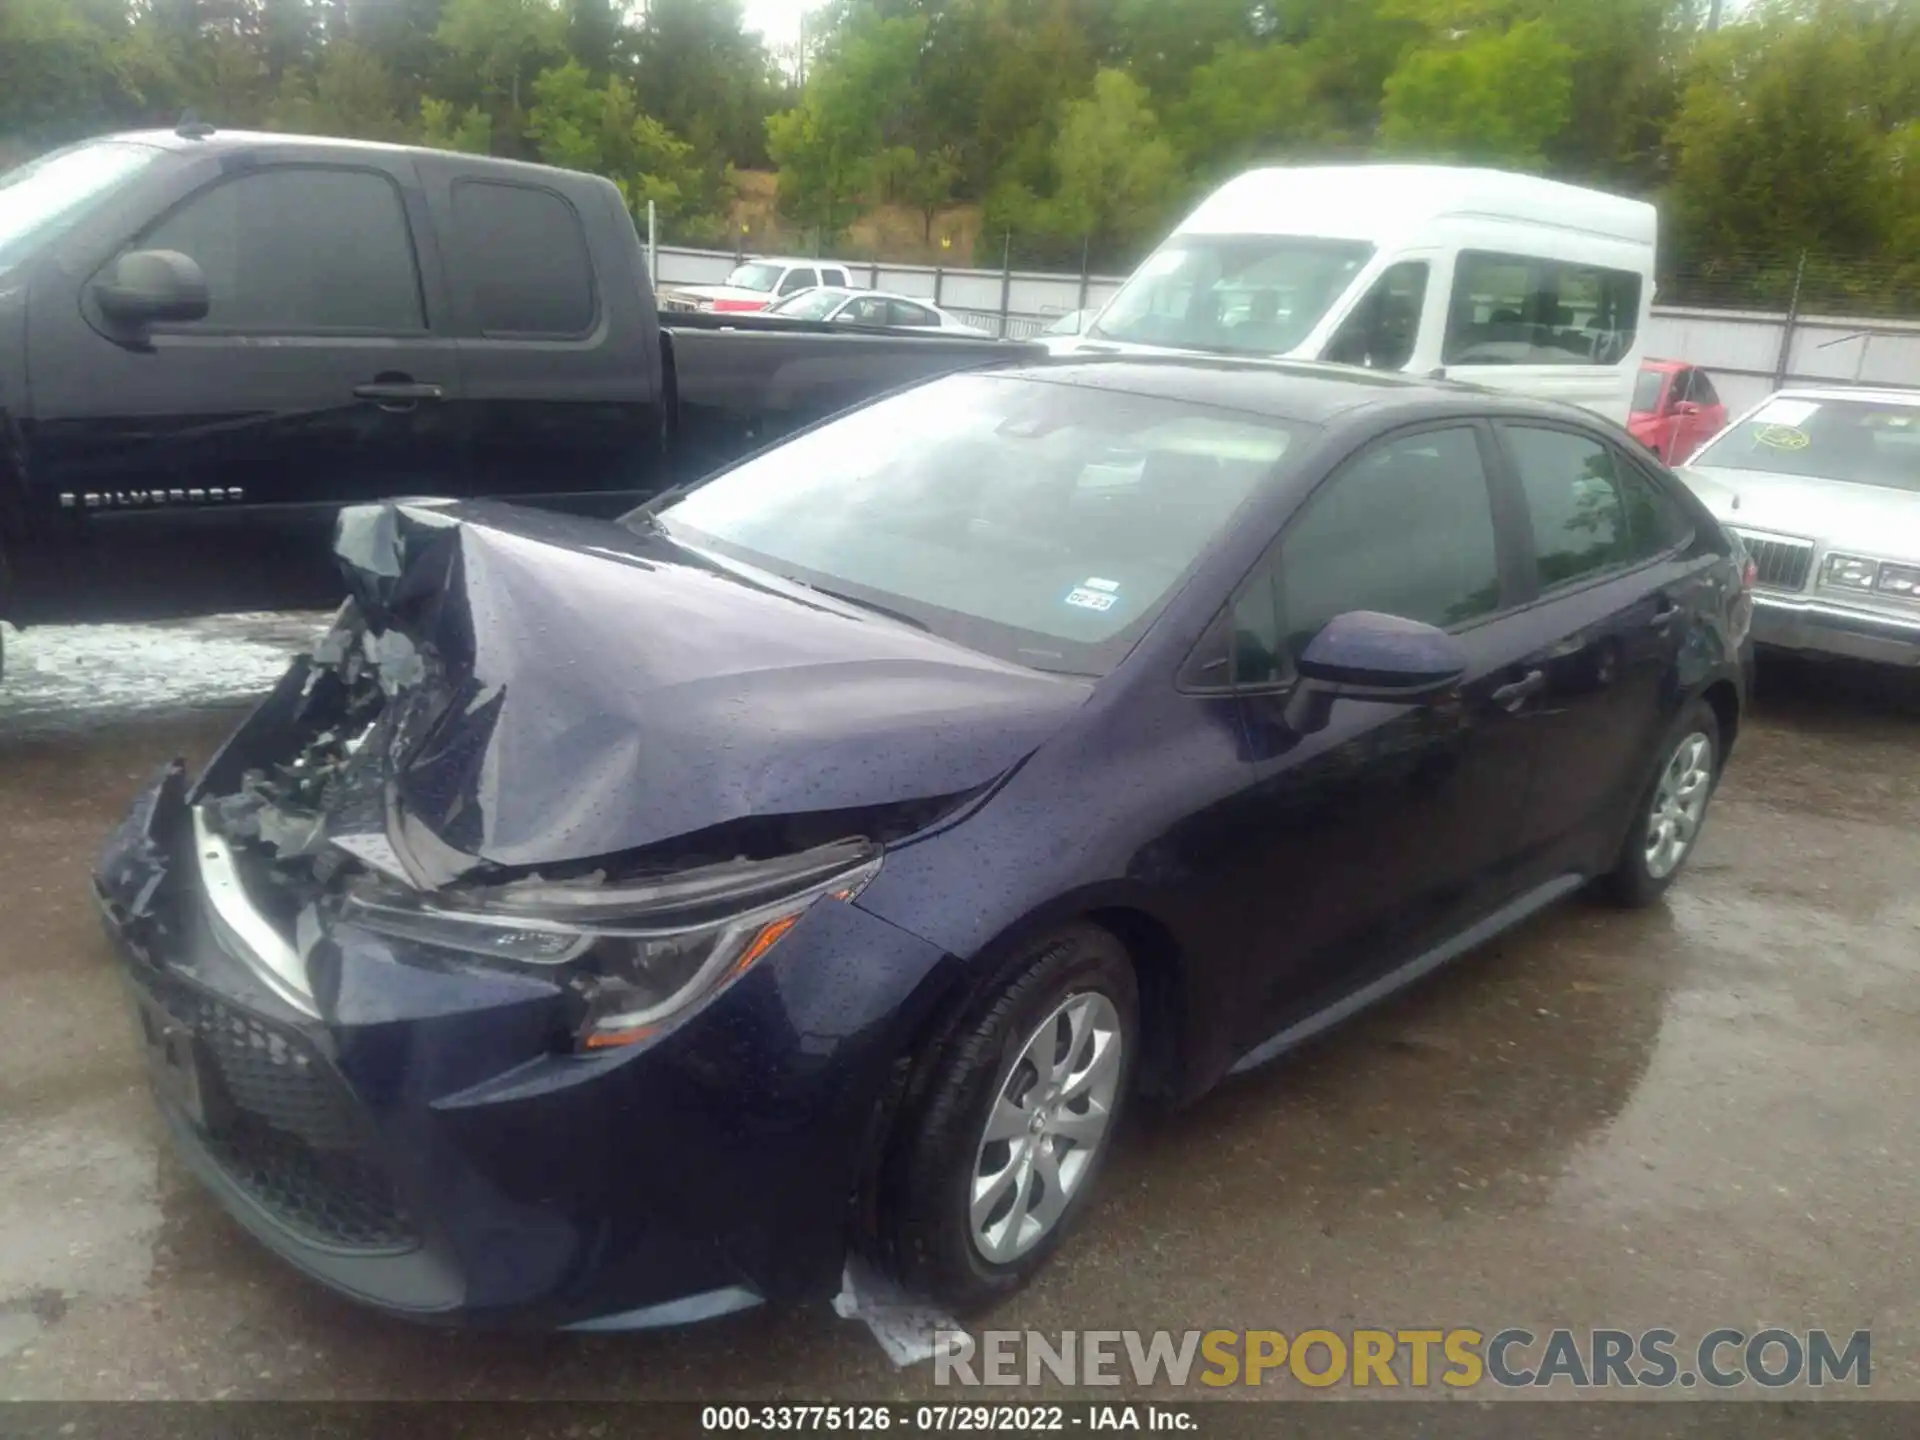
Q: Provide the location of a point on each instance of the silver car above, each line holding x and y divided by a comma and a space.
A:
1823, 486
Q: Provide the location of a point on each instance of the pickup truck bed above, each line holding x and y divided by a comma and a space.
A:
211, 341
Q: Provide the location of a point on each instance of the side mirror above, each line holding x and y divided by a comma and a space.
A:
143, 287
1363, 655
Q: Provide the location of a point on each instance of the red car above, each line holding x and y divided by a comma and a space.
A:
1675, 409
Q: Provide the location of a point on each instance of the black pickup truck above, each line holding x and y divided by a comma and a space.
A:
210, 341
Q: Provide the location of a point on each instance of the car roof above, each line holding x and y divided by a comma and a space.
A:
227, 141
1306, 391
1848, 392
898, 295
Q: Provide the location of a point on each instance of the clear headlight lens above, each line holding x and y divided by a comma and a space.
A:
634, 954
1849, 572
1901, 580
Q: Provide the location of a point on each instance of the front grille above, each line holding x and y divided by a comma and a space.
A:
285, 1130
1782, 564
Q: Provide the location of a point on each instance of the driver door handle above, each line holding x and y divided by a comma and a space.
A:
1512, 696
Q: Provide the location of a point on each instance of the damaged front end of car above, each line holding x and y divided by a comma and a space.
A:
410, 995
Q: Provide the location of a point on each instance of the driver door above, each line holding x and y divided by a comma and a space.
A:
1396, 826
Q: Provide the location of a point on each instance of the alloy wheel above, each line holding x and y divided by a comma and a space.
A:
1679, 804
1051, 1113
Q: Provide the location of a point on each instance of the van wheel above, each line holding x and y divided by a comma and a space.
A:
1667, 821
1001, 1140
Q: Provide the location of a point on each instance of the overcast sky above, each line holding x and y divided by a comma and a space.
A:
778, 20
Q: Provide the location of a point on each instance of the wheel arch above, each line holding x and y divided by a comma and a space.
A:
1724, 700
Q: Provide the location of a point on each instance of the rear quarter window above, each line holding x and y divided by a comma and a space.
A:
524, 255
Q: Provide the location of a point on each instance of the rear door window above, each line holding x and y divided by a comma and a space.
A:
300, 250
831, 276
903, 312
525, 258
1577, 504
798, 280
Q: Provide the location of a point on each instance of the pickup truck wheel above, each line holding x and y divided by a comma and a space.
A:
1667, 821
993, 1162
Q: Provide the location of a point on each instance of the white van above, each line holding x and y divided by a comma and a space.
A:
1504, 280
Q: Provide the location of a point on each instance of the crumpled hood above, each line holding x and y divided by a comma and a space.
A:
1871, 519
575, 690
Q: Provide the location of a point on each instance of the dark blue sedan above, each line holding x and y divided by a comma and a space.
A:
619, 924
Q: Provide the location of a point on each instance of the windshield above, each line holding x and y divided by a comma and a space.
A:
1868, 442
1646, 391
1242, 294
1040, 523
810, 304
756, 275
37, 198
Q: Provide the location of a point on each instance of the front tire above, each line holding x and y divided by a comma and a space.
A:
1671, 812
1005, 1129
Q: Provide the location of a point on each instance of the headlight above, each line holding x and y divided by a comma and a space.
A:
1848, 572
634, 954
1901, 580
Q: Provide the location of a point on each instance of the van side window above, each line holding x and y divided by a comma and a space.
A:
1522, 310
1381, 331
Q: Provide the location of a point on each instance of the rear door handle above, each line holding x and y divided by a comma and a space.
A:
1513, 695
397, 392
1663, 617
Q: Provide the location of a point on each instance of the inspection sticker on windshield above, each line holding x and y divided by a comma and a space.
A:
1094, 582
1088, 599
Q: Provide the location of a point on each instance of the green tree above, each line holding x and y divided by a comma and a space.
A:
1496, 97
1252, 101
493, 49
845, 138
350, 92
1774, 149
447, 127
582, 125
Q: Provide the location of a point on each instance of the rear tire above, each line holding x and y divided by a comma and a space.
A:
1669, 816
1008, 1121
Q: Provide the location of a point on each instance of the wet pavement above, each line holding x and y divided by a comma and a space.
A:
1701, 1115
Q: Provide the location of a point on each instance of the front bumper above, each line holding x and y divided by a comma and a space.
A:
1806, 623
426, 1145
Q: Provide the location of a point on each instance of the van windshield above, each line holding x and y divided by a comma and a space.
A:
1236, 294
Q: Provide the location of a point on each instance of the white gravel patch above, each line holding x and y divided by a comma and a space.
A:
67, 674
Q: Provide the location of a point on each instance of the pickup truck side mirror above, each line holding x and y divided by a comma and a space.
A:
144, 287
1363, 655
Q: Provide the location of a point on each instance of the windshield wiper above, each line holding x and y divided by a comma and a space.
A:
859, 604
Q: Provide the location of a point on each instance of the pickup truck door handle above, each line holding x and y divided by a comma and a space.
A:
1513, 695
1663, 617
397, 394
